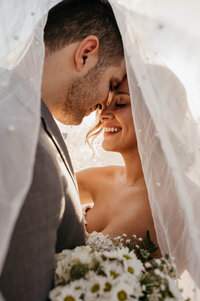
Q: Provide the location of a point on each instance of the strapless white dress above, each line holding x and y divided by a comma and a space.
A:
96, 240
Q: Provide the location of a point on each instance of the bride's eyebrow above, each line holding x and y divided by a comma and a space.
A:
122, 92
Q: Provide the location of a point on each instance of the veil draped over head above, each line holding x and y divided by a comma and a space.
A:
21, 62
162, 58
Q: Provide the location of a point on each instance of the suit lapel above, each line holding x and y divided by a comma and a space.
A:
54, 134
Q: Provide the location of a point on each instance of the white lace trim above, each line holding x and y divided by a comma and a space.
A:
96, 240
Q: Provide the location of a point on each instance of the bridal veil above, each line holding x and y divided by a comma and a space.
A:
162, 57
21, 62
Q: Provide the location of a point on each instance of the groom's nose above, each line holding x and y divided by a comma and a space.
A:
101, 106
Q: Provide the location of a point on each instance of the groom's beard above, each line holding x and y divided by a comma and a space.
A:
82, 96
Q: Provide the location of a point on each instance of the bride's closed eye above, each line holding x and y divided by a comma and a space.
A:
120, 104
122, 101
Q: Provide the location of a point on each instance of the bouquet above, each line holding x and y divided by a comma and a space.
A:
127, 271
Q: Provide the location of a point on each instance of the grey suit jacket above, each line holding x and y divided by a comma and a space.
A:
50, 220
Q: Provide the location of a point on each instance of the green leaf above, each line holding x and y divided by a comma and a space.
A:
149, 245
78, 271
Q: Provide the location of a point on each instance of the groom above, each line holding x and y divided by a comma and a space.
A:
83, 61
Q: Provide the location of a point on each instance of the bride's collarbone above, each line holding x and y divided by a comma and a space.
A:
111, 206
113, 193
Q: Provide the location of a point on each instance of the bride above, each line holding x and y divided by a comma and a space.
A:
119, 193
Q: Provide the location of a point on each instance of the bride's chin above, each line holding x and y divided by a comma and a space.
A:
107, 147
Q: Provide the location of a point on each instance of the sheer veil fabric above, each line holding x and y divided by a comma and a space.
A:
165, 113
162, 58
21, 62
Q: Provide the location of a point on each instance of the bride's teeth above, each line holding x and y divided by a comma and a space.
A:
111, 130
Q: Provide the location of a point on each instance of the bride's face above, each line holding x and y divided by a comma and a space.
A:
117, 121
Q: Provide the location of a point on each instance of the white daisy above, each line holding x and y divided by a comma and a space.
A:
122, 291
133, 267
83, 254
126, 254
131, 264
55, 294
62, 272
120, 254
64, 254
65, 293
79, 285
113, 269
135, 289
105, 290
94, 286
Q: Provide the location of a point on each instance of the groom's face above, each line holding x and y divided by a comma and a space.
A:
85, 93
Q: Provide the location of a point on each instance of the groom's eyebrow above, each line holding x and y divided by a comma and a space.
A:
115, 82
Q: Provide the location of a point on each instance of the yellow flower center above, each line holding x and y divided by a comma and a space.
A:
130, 270
107, 287
69, 298
77, 288
95, 288
113, 274
127, 257
122, 295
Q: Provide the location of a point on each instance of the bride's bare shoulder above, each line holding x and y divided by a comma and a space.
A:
105, 171
91, 180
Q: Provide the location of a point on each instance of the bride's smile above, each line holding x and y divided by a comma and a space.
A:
111, 130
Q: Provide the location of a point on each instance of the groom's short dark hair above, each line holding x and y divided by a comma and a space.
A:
73, 20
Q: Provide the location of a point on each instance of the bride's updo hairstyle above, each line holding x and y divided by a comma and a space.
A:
71, 21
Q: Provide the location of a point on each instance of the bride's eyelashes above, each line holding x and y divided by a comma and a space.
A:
121, 102
120, 105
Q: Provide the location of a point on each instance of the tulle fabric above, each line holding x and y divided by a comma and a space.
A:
165, 114
21, 62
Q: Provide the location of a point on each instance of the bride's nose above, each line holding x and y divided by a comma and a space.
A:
106, 114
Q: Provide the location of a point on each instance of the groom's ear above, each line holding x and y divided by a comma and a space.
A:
86, 55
